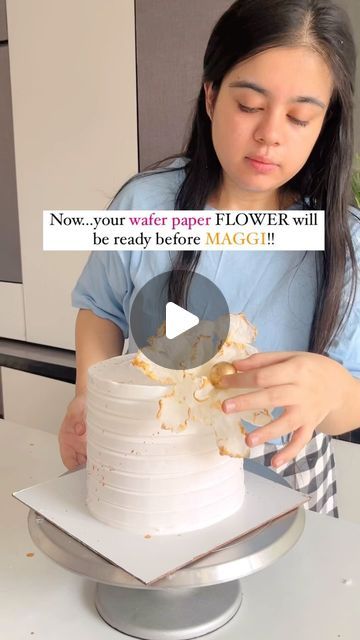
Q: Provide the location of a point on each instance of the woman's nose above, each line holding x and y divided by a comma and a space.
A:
268, 130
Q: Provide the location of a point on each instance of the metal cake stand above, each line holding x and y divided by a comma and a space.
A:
192, 602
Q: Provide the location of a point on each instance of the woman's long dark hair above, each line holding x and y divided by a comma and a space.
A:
249, 27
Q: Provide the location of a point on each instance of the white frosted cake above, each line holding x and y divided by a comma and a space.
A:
145, 478
148, 469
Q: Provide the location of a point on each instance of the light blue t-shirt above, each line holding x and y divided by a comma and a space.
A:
276, 290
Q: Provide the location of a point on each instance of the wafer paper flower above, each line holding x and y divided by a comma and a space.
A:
192, 397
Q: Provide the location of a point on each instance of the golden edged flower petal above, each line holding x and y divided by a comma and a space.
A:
153, 371
193, 398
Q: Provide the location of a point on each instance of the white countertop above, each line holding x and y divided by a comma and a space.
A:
312, 593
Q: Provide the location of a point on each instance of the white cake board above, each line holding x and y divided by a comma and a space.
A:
62, 502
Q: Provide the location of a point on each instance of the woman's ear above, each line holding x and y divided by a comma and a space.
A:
210, 97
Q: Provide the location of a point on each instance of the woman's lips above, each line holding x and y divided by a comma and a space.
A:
262, 167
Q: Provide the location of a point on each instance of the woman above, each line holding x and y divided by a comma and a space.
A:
272, 130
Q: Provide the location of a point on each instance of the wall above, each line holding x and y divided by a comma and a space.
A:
165, 32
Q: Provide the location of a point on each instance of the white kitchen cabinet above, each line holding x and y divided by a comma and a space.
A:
73, 82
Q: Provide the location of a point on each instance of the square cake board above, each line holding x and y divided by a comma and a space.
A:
62, 502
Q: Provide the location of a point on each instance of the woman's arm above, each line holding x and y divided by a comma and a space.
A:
96, 339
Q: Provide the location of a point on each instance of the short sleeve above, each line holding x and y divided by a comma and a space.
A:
104, 286
345, 348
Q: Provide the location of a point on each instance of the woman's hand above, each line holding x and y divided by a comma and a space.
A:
308, 386
72, 434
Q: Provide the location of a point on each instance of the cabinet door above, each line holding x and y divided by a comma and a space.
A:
171, 38
10, 263
74, 106
3, 25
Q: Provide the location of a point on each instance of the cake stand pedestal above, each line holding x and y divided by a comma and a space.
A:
192, 602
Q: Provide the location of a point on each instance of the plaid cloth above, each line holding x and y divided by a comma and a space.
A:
312, 472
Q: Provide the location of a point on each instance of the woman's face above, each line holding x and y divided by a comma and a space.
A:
267, 116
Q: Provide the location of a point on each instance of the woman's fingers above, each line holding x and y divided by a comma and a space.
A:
264, 359
299, 439
73, 445
80, 428
68, 456
275, 429
283, 395
73, 453
81, 459
265, 376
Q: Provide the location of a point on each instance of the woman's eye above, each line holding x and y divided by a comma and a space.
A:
243, 107
300, 123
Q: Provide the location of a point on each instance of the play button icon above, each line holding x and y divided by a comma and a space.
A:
178, 320
192, 329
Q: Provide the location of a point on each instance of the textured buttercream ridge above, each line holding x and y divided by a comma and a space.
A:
165, 436
169, 511
149, 455
188, 492
102, 469
148, 393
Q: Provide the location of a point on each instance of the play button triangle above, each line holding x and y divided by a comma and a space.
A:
183, 326
178, 320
